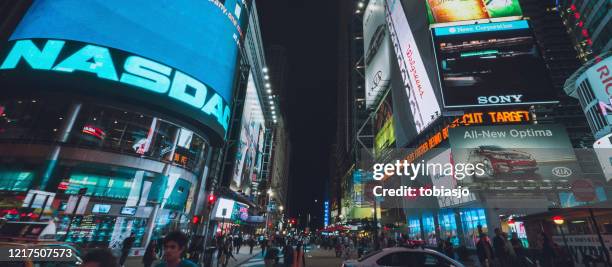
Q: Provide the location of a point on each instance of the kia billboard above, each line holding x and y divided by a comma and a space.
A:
511, 152
442, 11
377, 46
491, 64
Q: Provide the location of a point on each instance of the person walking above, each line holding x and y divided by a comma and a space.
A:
485, 253
238, 243
127, 244
150, 254
99, 258
263, 245
271, 256
288, 254
175, 244
251, 244
499, 246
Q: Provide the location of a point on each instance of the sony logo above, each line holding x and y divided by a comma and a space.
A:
501, 99
137, 71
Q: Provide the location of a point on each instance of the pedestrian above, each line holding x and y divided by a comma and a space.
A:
251, 244
448, 248
548, 252
150, 254
127, 244
288, 254
300, 257
100, 258
263, 245
271, 256
484, 251
175, 244
499, 246
238, 243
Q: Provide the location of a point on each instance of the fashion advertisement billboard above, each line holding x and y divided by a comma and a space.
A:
528, 151
250, 144
441, 11
416, 77
478, 65
377, 46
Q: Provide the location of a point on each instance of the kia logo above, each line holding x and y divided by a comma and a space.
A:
561, 171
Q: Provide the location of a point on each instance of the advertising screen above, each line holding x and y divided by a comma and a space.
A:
252, 127
224, 208
534, 151
383, 125
441, 11
424, 106
178, 56
491, 64
377, 46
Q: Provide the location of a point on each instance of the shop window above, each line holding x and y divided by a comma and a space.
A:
24, 120
429, 229
471, 219
99, 186
448, 226
414, 228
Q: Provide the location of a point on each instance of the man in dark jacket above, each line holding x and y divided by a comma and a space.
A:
484, 251
499, 246
288, 255
126, 247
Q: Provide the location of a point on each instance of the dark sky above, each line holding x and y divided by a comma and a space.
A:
307, 29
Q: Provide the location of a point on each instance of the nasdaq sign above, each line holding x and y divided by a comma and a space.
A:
135, 71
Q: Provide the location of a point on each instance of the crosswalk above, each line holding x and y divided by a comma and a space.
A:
258, 261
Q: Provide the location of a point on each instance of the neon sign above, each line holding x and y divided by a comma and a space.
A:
137, 71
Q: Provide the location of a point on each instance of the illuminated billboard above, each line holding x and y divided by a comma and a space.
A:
491, 64
247, 166
527, 152
377, 46
383, 126
440, 179
423, 103
441, 11
197, 41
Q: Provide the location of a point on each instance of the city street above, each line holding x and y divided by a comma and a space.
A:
416, 132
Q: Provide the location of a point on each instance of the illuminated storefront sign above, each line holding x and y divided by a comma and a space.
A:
136, 71
441, 11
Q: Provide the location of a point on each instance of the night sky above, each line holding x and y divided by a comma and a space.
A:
307, 29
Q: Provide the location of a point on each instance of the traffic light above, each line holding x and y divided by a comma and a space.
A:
195, 220
211, 199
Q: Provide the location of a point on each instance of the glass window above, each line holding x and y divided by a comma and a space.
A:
414, 228
448, 226
15, 180
30, 119
429, 229
471, 219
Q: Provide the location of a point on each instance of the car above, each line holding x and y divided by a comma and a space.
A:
498, 160
404, 257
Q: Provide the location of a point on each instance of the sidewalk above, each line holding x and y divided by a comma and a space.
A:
242, 257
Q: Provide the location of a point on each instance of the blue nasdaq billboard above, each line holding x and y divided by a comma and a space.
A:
193, 42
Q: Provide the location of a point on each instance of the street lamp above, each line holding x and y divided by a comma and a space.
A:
559, 221
281, 208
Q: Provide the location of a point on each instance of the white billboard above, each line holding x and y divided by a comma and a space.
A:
423, 102
377, 48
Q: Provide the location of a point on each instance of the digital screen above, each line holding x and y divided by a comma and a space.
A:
128, 210
383, 125
224, 208
377, 48
199, 38
441, 11
491, 64
101, 208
